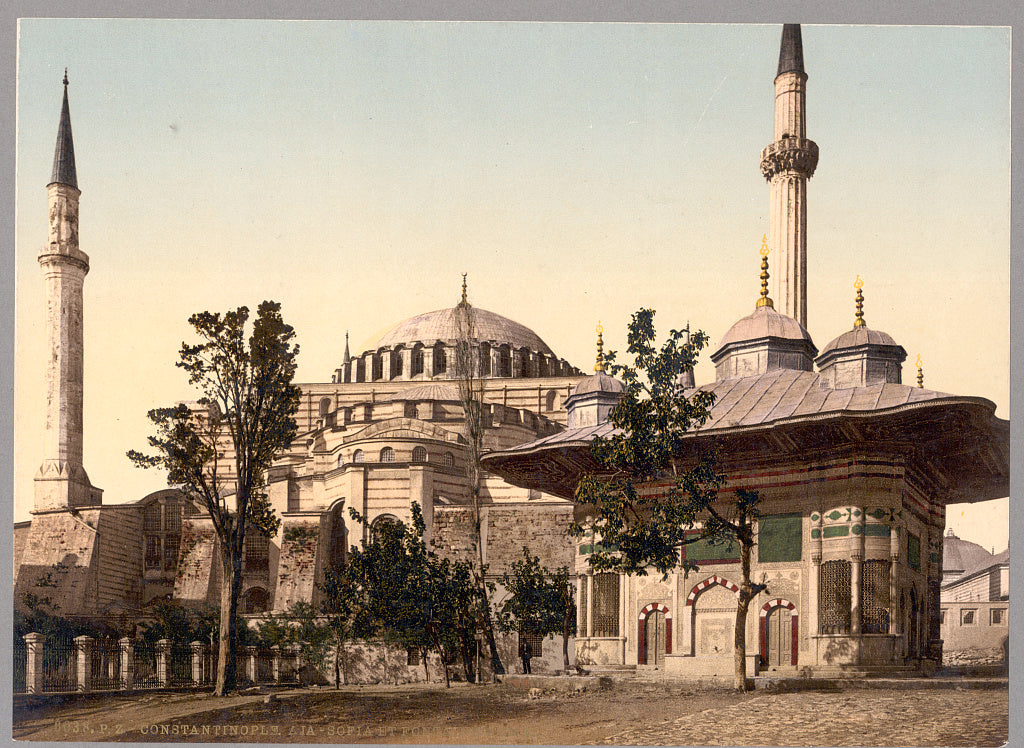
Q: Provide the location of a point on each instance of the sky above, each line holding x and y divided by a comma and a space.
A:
576, 172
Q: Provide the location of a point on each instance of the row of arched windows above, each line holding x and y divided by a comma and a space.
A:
387, 454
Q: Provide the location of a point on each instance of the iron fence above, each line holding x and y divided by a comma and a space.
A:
60, 667
20, 665
105, 665
144, 666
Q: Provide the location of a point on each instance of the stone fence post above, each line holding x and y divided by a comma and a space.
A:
34, 662
251, 662
84, 646
163, 656
198, 659
127, 663
276, 655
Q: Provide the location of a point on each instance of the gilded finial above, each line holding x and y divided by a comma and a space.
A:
859, 321
465, 301
599, 365
920, 372
763, 299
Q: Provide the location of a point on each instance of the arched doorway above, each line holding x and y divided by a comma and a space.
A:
779, 631
654, 635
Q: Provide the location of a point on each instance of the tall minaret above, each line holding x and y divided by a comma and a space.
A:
787, 164
61, 481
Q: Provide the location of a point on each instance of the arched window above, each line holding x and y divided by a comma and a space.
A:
382, 521
256, 600
358, 456
387, 455
524, 362
542, 365
360, 370
485, 359
378, 366
257, 551
161, 525
396, 362
419, 454
341, 460
549, 400
325, 406
440, 359
504, 361
417, 360
448, 460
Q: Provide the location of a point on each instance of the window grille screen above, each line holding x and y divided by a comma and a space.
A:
581, 624
875, 597
606, 604
535, 640
834, 597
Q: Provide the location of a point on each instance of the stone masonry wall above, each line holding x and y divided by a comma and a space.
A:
57, 563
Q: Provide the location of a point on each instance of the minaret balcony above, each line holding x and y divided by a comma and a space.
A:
789, 155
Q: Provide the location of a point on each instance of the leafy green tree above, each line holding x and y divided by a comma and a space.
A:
539, 601
654, 485
219, 454
342, 605
413, 598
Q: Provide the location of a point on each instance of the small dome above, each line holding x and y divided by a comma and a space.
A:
765, 322
599, 382
443, 325
859, 336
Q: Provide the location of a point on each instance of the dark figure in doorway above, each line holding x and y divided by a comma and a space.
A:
526, 652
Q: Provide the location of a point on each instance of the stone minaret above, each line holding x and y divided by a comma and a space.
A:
61, 481
787, 164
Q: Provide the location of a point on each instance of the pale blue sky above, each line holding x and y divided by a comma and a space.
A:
352, 170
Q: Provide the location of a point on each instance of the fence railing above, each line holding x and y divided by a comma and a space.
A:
86, 664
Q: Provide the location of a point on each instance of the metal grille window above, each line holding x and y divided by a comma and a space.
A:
440, 360
419, 454
153, 557
834, 597
581, 624
257, 550
151, 518
875, 597
412, 656
358, 456
535, 640
448, 460
606, 604
387, 455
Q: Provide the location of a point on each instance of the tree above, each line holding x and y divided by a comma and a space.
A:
471, 395
414, 598
540, 601
222, 450
655, 484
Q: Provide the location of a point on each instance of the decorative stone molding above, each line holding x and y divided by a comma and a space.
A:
788, 156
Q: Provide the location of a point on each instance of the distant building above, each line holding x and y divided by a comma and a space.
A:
975, 603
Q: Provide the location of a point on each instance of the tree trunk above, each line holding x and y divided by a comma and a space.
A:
740, 631
230, 587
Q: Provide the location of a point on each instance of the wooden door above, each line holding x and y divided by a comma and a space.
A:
780, 637
655, 635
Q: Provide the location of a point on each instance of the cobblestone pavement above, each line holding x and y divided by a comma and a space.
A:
867, 717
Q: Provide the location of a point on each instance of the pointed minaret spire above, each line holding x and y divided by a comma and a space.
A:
859, 321
920, 373
347, 357
465, 301
791, 52
685, 378
64, 154
599, 364
787, 163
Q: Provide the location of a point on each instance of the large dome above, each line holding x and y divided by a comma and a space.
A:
443, 325
765, 322
859, 336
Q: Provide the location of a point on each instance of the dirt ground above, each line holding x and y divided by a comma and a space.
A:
633, 713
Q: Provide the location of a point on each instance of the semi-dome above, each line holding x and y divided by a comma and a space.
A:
443, 325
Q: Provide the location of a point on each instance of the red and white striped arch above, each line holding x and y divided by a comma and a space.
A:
712, 580
641, 625
767, 608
